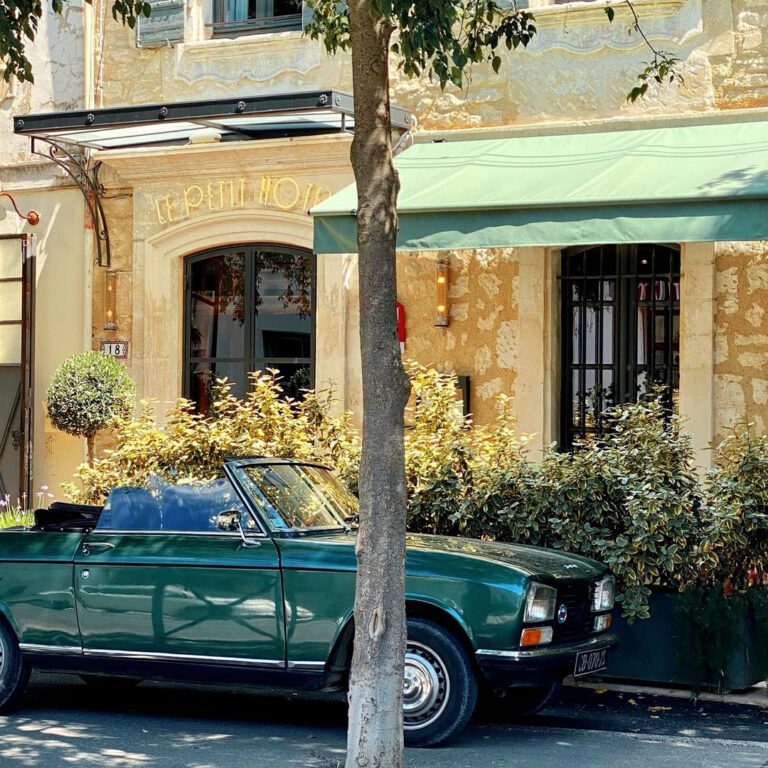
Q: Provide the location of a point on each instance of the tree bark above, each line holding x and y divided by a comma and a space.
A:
375, 734
90, 443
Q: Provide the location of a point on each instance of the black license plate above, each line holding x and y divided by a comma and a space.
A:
589, 662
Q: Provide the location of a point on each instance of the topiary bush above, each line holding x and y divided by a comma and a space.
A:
87, 393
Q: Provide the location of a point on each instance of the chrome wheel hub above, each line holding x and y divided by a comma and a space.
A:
425, 686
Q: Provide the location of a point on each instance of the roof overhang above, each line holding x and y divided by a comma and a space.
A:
231, 119
684, 183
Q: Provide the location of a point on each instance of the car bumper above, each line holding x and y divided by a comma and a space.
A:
536, 666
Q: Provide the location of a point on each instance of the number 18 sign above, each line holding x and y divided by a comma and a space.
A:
116, 349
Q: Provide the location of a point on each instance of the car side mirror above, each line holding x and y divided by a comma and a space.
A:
231, 521
228, 521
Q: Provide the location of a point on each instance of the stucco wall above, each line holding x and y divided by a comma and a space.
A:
63, 254
578, 66
62, 291
741, 340
57, 63
481, 338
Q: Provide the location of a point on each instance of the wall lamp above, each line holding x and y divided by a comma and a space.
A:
33, 217
110, 300
441, 293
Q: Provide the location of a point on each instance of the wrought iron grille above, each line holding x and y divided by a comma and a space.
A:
620, 331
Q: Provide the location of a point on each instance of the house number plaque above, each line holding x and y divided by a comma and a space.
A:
116, 349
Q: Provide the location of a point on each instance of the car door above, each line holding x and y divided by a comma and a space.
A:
157, 579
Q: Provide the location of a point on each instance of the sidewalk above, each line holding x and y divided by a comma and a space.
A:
756, 696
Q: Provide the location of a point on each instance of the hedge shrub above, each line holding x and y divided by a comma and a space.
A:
631, 499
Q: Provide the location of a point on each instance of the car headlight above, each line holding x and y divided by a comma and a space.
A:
605, 594
540, 603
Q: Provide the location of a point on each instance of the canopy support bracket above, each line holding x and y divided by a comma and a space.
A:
87, 179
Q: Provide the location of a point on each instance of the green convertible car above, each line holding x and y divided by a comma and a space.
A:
250, 579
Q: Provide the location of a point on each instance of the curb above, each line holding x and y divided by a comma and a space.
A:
751, 697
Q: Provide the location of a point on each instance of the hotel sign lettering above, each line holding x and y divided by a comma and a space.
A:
281, 192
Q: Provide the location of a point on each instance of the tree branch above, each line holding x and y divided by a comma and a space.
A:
665, 68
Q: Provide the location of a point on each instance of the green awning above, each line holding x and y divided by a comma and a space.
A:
690, 183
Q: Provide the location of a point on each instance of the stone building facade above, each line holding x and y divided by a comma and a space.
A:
167, 205
62, 270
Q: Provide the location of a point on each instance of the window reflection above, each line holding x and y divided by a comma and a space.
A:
298, 496
248, 309
256, 14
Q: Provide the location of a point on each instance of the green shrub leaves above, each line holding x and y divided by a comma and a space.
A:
632, 499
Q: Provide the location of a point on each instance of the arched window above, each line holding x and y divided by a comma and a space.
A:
620, 331
248, 308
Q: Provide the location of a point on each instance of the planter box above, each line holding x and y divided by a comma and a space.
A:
650, 650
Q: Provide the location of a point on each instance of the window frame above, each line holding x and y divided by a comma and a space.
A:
626, 277
237, 472
260, 25
248, 359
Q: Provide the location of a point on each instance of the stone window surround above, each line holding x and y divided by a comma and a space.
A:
537, 383
158, 309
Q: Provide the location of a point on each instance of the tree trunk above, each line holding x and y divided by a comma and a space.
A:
90, 441
375, 735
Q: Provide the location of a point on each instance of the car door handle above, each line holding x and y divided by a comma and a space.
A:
95, 546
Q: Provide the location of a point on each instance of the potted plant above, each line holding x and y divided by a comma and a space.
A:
709, 633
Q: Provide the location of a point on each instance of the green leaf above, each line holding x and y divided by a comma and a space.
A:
609, 12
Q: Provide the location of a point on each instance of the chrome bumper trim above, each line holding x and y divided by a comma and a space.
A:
152, 656
549, 651
64, 650
306, 665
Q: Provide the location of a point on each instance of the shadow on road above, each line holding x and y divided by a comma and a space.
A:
63, 722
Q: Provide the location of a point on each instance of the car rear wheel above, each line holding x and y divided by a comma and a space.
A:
14, 671
517, 703
439, 686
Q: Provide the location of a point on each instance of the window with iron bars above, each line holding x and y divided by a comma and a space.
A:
620, 331
252, 16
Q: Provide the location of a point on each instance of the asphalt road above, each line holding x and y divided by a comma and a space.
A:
62, 722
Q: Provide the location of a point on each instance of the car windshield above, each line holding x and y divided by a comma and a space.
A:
299, 496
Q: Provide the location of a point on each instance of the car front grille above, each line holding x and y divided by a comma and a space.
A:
579, 622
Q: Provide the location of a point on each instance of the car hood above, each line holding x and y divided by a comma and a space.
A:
546, 564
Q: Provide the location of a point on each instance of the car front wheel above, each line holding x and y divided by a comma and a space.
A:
14, 671
439, 686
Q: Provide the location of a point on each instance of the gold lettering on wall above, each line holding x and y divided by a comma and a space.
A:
293, 194
190, 206
282, 192
266, 186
